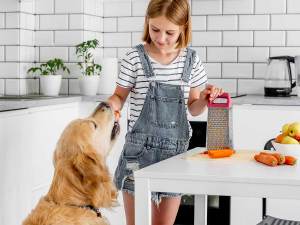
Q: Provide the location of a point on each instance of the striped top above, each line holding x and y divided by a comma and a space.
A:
132, 76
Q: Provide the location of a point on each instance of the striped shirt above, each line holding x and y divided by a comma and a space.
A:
132, 76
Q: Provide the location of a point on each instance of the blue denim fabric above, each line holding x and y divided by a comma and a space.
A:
160, 132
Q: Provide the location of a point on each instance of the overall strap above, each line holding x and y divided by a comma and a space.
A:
146, 64
188, 65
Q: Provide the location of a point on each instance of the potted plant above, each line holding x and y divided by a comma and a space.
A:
89, 80
50, 81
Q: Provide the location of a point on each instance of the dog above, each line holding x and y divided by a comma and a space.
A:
81, 183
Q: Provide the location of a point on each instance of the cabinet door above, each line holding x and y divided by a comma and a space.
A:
47, 124
15, 167
27, 139
253, 126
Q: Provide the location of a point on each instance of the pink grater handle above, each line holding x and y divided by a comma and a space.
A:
226, 105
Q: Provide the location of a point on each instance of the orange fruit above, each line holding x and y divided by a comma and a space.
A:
279, 138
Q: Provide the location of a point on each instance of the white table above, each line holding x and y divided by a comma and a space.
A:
238, 175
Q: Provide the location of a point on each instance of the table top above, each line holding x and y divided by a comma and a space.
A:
240, 167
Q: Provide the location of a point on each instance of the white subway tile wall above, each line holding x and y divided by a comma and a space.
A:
2, 53
233, 38
2, 87
34, 31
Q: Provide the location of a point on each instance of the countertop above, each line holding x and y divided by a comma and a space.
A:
24, 102
30, 101
262, 100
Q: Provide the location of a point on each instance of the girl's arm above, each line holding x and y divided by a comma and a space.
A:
198, 99
119, 97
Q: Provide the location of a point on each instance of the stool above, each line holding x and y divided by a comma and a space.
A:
269, 220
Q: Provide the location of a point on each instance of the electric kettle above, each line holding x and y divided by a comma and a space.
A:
278, 80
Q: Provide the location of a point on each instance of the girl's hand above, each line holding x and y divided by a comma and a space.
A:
210, 93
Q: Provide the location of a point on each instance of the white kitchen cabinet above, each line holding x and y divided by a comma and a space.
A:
15, 188
116, 215
27, 139
47, 124
252, 127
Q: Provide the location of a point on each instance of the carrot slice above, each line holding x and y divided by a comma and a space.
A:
266, 159
117, 115
221, 153
290, 160
280, 158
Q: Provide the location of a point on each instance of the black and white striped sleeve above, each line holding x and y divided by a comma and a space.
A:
127, 75
198, 76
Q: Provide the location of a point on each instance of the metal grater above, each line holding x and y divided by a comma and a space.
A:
218, 123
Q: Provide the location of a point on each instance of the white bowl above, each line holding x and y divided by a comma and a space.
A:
287, 149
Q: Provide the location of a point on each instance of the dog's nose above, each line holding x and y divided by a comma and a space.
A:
104, 105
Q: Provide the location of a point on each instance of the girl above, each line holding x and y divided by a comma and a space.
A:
164, 79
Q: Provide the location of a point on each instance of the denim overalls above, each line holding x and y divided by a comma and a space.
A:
160, 132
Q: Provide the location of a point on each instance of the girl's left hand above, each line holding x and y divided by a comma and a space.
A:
211, 92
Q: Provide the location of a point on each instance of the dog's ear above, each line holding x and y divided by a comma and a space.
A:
95, 177
90, 166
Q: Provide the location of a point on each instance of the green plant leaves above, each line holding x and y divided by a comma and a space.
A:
50, 67
88, 66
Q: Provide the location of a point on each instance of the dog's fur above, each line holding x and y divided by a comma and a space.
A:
81, 176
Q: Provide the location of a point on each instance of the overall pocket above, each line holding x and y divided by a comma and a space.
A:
166, 112
170, 152
137, 156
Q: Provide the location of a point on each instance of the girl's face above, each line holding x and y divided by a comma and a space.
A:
163, 33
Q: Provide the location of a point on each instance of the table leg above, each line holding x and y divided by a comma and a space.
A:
200, 210
142, 201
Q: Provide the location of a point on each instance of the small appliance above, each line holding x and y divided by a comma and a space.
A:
278, 80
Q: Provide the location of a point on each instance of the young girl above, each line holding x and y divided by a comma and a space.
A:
164, 79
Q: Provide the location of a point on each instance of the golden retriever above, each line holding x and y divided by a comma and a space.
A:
81, 183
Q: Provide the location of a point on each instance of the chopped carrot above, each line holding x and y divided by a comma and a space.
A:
290, 160
280, 158
220, 153
266, 159
117, 115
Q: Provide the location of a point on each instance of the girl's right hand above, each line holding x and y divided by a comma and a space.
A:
210, 93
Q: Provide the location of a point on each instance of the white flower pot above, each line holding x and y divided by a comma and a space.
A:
50, 84
109, 75
89, 85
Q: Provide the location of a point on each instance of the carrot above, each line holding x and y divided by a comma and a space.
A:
205, 152
220, 153
280, 158
266, 159
290, 160
117, 115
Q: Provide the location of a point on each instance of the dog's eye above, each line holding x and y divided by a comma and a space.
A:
94, 123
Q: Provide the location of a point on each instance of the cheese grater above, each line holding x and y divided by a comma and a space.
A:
218, 123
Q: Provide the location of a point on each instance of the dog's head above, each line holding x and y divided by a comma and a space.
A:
81, 175
105, 123
97, 132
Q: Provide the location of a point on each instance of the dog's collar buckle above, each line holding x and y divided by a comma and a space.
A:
96, 210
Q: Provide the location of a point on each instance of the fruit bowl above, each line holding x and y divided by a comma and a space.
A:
287, 149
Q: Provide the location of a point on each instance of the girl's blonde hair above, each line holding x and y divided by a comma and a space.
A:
177, 11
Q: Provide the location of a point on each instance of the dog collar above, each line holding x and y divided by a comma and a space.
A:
90, 207
96, 210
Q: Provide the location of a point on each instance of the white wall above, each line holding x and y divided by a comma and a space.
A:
33, 31
234, 38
